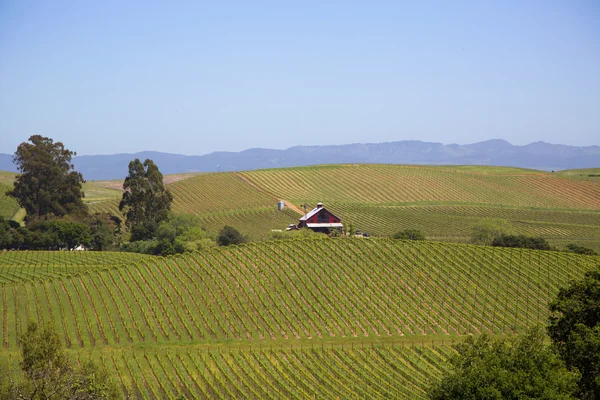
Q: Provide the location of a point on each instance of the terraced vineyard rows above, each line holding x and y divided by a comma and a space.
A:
19, 266
404, 184
8, 205
304, 289
456, 222
219, 192
354, 372
328, 318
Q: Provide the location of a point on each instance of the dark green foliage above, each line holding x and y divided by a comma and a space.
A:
498, 369
141, 246
55, 233
574, 327
521, 241
229, 235
409, 234
49, 375
178, 234
575, 248
47, 184
145, 201
103, 230
12, 236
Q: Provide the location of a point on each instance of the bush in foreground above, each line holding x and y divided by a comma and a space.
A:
574, 327
524, 368
48, 374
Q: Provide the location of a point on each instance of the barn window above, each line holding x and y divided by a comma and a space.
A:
323, 217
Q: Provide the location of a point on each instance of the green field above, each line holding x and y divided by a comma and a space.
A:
314, 318
261, 320
444, 202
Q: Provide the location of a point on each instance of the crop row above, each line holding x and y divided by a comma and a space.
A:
222, 192
8, 205
298, 289
434, 222
18, 266
354, 372
396, 183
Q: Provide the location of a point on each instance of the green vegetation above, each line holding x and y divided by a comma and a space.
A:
575, 330
389, 288
580, 249
145, 201
525, 368
384, 184
303, 315
47, 185
409, 234
281, 318
23, 266
521, 241
8, 205
48, 374
229, 235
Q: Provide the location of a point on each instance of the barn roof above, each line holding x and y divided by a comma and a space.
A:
311, 213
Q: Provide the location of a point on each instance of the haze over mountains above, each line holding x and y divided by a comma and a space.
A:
538, 155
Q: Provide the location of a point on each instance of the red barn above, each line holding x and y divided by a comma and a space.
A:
320, 220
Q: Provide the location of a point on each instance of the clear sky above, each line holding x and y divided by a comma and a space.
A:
194, 77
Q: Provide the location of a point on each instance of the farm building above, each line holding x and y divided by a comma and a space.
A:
320, 220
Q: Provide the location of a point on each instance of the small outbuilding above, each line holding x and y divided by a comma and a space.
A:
320, 220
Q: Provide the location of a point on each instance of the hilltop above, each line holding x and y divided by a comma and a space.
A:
538, 155
444, 202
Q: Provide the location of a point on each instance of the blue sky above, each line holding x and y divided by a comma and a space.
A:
194, 77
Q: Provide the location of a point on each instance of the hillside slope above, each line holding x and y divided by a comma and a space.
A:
286, 290
287, 319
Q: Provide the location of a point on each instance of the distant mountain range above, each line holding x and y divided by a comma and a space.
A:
538, 155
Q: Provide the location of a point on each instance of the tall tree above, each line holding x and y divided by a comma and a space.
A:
145, 200
574, 327
47, 184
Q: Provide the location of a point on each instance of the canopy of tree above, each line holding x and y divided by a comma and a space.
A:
574, 327
521, 241
229, 235
409, 234
47, 183
498, 369
48, 374
97, 231
145, 202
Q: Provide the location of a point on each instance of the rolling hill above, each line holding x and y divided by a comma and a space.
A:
224, 321
320, 318
444, 202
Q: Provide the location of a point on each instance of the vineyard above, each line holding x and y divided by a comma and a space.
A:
8, 205
397, 185
20, 266
357, 371
443, 202
266, 319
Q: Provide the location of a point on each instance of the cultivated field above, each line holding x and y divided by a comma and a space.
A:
266, 319
319, 318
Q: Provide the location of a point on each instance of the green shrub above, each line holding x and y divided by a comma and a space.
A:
229, 235
409, 234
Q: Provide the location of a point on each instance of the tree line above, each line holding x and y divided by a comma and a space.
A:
51, 192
